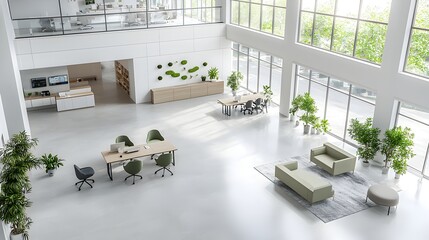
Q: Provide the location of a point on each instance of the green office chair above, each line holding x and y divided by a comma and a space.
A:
154, 136
125, 139
133, 167
164, 161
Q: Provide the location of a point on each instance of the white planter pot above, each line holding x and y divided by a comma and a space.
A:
385, 170
234, 93
365, 164
313, 131
297, 123
397, 175
306, 129
51, 172
292, 118
16, 237
318, 132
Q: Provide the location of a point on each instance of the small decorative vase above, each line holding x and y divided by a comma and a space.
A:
297, 123
397, 175
384, 170
313, 131
16, 237
292, 118
365, 163
234, 93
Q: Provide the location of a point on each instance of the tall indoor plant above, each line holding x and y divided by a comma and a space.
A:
296, 102
268, 93
233, 81
397, 146
367, 137
17, 161
308, 105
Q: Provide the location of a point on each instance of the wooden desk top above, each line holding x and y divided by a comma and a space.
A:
154, 148
230, 101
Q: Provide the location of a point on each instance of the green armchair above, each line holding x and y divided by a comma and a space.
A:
154, 136
164, 161
125, 139
133, 168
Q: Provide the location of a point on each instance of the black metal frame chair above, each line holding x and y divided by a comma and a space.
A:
84, 174
248, 107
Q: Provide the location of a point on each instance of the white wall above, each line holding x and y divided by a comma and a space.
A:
10, 83
29, 8
146, 48
85, 70
27, 75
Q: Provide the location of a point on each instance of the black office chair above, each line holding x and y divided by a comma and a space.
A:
248, 107
258, 105
264, 104
84, 174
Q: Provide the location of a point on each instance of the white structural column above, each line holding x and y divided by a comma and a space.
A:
10, 82
394, 55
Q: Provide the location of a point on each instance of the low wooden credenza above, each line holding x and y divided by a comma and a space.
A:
180, 92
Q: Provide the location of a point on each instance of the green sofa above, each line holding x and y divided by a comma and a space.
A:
307, 184
333, 159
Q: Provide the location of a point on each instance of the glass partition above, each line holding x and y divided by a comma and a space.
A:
57, 17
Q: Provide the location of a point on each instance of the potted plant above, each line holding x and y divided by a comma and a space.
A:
400, 167
295, 107
17, 161
308, 105
367, 137
316, 127
397, 145
324, 125
213, 73
233, 81
51, 163
203, 78
268, 93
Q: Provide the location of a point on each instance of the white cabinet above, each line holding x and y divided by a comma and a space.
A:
28, 104
75, 102
35, 102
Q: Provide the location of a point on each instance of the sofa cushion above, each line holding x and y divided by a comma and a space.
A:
325, 159
309, 179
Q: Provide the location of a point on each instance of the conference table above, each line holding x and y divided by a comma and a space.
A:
228, 103
144, 151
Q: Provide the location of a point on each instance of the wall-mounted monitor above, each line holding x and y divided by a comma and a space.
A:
38, 82
58, 80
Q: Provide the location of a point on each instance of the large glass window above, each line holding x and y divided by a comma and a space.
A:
268, 16
418, 51
258, 69
57, 17
354, 28
418, 120
336, 100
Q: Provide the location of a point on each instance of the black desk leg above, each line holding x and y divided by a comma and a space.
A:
174, 160
109, 171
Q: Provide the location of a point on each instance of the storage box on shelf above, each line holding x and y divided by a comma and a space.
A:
122, 76
180, 92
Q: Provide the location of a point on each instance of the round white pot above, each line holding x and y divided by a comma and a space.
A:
306, 129
292, 118
234, 93
318, 132
16, 237
51, 172
297, 123
313, 131
365, 164
384, 170
397, 175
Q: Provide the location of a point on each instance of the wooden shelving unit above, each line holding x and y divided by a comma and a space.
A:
122, 76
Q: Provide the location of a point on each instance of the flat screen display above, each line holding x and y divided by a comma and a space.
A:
58, 80
38, 82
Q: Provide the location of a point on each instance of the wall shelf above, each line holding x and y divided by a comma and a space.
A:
122, 77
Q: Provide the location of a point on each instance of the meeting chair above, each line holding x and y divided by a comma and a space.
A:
84, 174
258, 105
248, 107
164, 161
125, 139
264, 104
132, 168
154, 136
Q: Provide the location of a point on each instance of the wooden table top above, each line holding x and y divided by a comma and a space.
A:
231, 102
154, 148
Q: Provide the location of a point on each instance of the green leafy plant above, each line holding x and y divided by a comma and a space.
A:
175, 75
184, 62
213, 73
397, 145
170, 64
17, 161
51, 162
184, 77
159, 78
159, 66
296, 102
194, 69
233, 81
169, 72
308, 105
324, 124
203, 78
205, 64
268, 93
367, 137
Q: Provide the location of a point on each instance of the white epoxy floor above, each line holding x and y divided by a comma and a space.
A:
215, 193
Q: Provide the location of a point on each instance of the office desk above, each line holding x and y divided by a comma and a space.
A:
228, 103
154, 148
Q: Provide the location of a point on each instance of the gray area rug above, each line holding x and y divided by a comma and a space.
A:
350, 190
